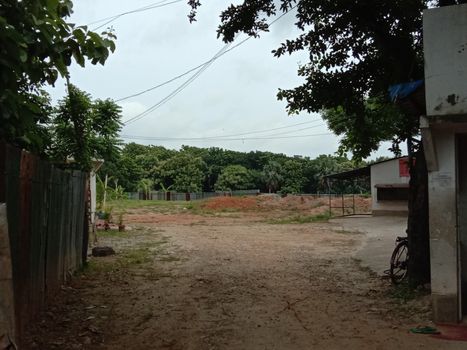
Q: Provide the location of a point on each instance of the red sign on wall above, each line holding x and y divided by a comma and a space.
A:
404, 167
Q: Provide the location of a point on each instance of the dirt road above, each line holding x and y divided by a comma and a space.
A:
231, 283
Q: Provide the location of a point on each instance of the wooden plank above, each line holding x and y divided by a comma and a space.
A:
12, 171
24, 275
85, 230
2, 172
52, 243
7, 303
46, 172
35, 238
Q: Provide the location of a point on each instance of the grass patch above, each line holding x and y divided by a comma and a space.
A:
302, 219
139, 255
404, 293
125, 204
113, 233
135, 257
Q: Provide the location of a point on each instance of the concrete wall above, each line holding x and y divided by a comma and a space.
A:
386, 173
443, 228
445, 51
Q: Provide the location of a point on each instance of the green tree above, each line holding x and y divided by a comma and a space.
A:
293, 178
84, 129
233, 177
182, 171
145, 186
272, 176
38, 45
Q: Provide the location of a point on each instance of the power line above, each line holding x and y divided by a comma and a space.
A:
201, 68
227, 139
215, 57
141, 9
198, 66
176, 91
126, 12
267, 130
220, 137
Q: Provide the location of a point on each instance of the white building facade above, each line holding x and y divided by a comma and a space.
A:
444, 134
390, 187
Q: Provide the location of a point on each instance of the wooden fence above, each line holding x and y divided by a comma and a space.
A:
47, 228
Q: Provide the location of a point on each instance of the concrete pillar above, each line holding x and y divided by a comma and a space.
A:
443, 230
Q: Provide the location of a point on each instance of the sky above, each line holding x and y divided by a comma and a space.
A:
232, 102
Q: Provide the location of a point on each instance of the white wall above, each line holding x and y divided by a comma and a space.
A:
387, 173
445, 51
443, 228
443, 231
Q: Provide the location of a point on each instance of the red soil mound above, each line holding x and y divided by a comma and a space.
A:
242, 203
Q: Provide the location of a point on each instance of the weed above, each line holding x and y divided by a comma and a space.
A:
135, 257
404, 292
113, 233
158, 206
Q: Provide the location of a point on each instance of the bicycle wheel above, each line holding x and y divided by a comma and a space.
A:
399, 262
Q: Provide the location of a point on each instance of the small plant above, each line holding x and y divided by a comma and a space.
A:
121, 225
107, 217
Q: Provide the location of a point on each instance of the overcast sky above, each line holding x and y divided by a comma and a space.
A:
235, 95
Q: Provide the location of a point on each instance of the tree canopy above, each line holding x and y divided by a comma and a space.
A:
84, 129
234, 177
145, 168
356, 51
37, 46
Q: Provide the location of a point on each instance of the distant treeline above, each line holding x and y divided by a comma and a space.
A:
192, 169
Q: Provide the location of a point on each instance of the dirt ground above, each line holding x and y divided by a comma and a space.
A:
227, 276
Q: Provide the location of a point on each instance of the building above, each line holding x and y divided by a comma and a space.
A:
390, 187
389, 183
444, 134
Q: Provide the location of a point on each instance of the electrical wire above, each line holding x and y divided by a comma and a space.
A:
267, 130
215, 57
141, 9
201, 68
197, 67
126, 12
222, 137
176, 91
130, 137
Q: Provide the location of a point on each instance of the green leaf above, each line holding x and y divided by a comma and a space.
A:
23, 56
80, 36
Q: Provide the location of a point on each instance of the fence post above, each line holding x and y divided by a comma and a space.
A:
343, 205
353, 203
7, 304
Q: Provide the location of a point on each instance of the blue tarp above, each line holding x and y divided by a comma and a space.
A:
400, 91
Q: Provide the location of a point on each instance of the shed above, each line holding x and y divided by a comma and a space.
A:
390, 187
389, 182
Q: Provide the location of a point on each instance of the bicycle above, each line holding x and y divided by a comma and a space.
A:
399, 260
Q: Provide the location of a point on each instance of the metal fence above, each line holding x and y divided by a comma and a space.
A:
188, 196
46, 215
341, 204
